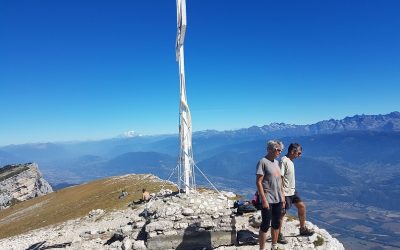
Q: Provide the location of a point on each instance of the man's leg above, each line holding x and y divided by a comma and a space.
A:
301, 212
274, 236
275, 223
262, 237
281, 238
265, 221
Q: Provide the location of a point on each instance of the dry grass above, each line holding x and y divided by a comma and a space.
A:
319, 241
74, 202
291, 217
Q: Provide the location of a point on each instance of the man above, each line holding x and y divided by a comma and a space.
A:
269, 186
289, 187
145, 195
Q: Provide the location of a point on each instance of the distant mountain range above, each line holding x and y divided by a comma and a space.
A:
226, 154
355, 160
388, 122
239, 147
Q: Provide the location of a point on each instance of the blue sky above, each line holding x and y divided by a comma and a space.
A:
93, 69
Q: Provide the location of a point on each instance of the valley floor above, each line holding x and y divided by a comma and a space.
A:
357, 226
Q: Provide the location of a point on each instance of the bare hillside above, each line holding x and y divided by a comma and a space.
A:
74, 202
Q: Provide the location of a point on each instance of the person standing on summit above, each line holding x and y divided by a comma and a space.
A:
289, 187
269, 186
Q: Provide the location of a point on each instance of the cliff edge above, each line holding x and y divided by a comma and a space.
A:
21, 182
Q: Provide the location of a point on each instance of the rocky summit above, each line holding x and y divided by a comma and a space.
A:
170, 220
21, 182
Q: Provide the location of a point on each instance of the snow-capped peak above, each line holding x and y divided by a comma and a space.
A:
130, 134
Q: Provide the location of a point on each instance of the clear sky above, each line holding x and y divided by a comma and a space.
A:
93, 69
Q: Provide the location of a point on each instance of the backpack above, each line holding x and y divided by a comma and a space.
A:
256, 201
247, 207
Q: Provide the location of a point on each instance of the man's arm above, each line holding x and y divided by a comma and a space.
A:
259, 180
283, 168
283, 195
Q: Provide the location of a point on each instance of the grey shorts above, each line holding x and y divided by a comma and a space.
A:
291, 200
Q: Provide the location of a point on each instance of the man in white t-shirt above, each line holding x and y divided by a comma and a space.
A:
289, 189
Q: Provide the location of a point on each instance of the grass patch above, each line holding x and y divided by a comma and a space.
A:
75, 202
319, 241
290, 217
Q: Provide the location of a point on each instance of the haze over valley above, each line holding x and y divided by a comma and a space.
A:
349, 172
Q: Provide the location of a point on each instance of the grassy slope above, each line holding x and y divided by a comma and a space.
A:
74, 202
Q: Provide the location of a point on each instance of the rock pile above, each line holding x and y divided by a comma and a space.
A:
195, 221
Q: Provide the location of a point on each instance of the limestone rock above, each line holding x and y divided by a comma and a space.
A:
21, 182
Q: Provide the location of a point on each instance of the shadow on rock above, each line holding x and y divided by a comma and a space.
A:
195, 240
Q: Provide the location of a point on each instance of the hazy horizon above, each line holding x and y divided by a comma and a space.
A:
130, 134
84, 70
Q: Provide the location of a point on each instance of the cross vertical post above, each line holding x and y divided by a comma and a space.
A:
186, 163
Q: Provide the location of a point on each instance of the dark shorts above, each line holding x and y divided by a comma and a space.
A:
271, 216
292, 200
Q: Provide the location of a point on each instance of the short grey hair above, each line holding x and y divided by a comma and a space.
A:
273, 144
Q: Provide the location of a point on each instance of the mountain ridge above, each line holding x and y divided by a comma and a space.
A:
380, 122
386, 122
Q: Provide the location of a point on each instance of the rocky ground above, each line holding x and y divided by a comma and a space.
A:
162, 223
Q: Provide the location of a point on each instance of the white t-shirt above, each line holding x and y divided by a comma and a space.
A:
287, 172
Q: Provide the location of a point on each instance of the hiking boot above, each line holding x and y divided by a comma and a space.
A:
306, 231
282, 239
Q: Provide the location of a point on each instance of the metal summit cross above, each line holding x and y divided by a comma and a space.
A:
186, 163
